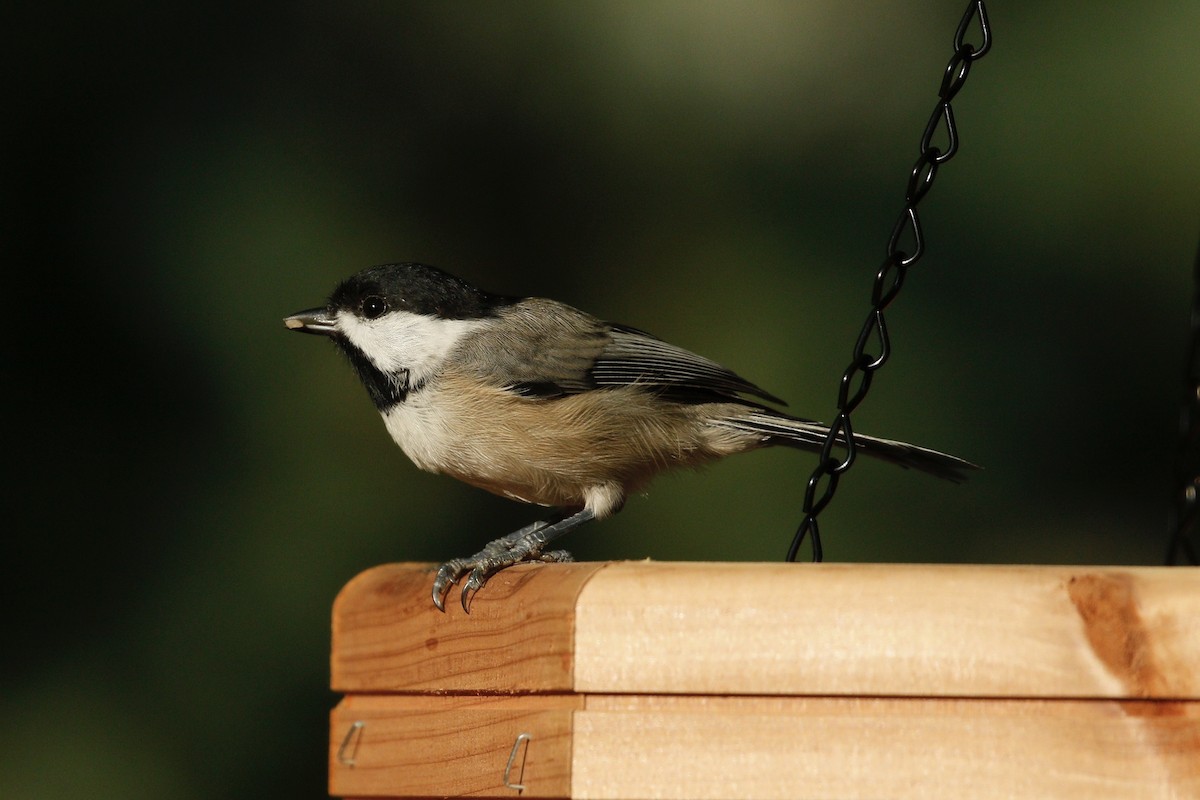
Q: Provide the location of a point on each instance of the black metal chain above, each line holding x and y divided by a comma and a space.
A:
1185, 510
856, 380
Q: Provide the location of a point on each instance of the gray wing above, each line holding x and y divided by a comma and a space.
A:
542, 348
635, 357
550, 348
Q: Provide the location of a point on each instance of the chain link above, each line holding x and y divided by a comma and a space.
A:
856, 380
1185, 511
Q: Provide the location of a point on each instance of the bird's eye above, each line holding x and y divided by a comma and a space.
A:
373, 307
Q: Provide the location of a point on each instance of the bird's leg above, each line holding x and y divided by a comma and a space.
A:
526, 544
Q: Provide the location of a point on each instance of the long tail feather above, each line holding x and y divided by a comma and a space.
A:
805, 435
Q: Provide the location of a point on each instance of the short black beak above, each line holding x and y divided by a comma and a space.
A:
314, 320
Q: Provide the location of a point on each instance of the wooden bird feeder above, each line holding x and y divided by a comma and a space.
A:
676, 680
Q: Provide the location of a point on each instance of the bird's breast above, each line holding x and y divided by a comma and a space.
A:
547, 451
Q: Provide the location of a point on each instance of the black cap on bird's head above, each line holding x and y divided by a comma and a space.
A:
413, 288
381, 317
410, 287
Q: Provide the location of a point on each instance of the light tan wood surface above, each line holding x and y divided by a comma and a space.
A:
889, 629
700, 747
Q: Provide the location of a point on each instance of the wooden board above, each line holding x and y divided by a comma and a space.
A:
766, 748
890, 629
690, 747
855, 629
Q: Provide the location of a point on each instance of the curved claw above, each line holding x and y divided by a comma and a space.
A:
447, 574
472, 585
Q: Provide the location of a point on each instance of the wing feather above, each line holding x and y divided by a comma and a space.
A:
547, 349
635, 357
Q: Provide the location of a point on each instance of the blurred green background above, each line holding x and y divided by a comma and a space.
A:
192, 484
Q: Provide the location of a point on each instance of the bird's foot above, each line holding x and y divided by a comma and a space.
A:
523, 545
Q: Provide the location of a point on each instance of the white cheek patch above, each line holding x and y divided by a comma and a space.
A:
403, 341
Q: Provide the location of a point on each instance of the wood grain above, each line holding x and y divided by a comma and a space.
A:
698, 747
450, 746
519, 636
904, 630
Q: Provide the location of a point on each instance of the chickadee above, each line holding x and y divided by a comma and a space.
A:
540, 402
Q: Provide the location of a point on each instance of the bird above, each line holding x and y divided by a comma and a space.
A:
537, 401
